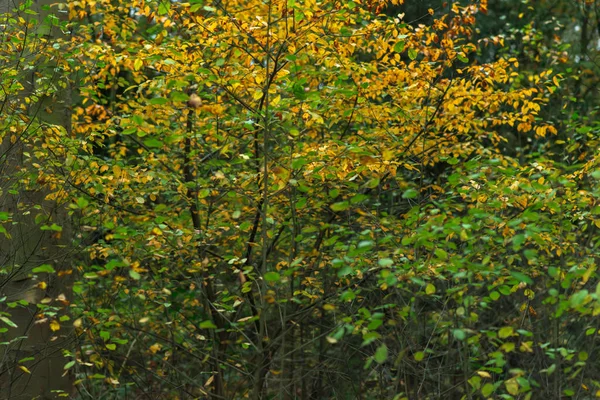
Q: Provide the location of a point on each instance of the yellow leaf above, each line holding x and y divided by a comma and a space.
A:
505, 332
209, 381
555, 81
512, 387
138, 64
508, 347
155, 348
484, 374
430, 289
257, 94
276, 100
24, 369
54, 326
526, 347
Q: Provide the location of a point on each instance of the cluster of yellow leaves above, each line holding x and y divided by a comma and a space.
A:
351, 97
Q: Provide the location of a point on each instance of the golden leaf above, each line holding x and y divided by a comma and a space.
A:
484, 374
24, 369
155, 348
54, 326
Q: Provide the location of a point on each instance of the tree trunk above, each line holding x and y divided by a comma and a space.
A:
33, 339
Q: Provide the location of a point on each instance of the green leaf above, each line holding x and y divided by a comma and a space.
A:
196, 7
518, 241
385, 262
505, 332
299, 162
69, 365
521, 277
399, 46
341, 206
374, 324
419, 355
53, 227
459, 334
129, 131
178, 96
578, 298
345, 270
164, 7
82, 202
152, 142
487, 389
441, 254
410, 194
111, 346
372, 183
462, 58
412, 53
207, 325
359, 198
272, 276
494, 295
475, 382
590, 331
550, 369
370, 338
381, 354
134, 274
430, 288
348, 295
365, 244
47, 268
203, 193
158, 101
8, 322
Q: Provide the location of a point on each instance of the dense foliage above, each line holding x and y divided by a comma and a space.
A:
308, 199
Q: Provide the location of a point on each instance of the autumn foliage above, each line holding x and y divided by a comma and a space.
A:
318, 199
